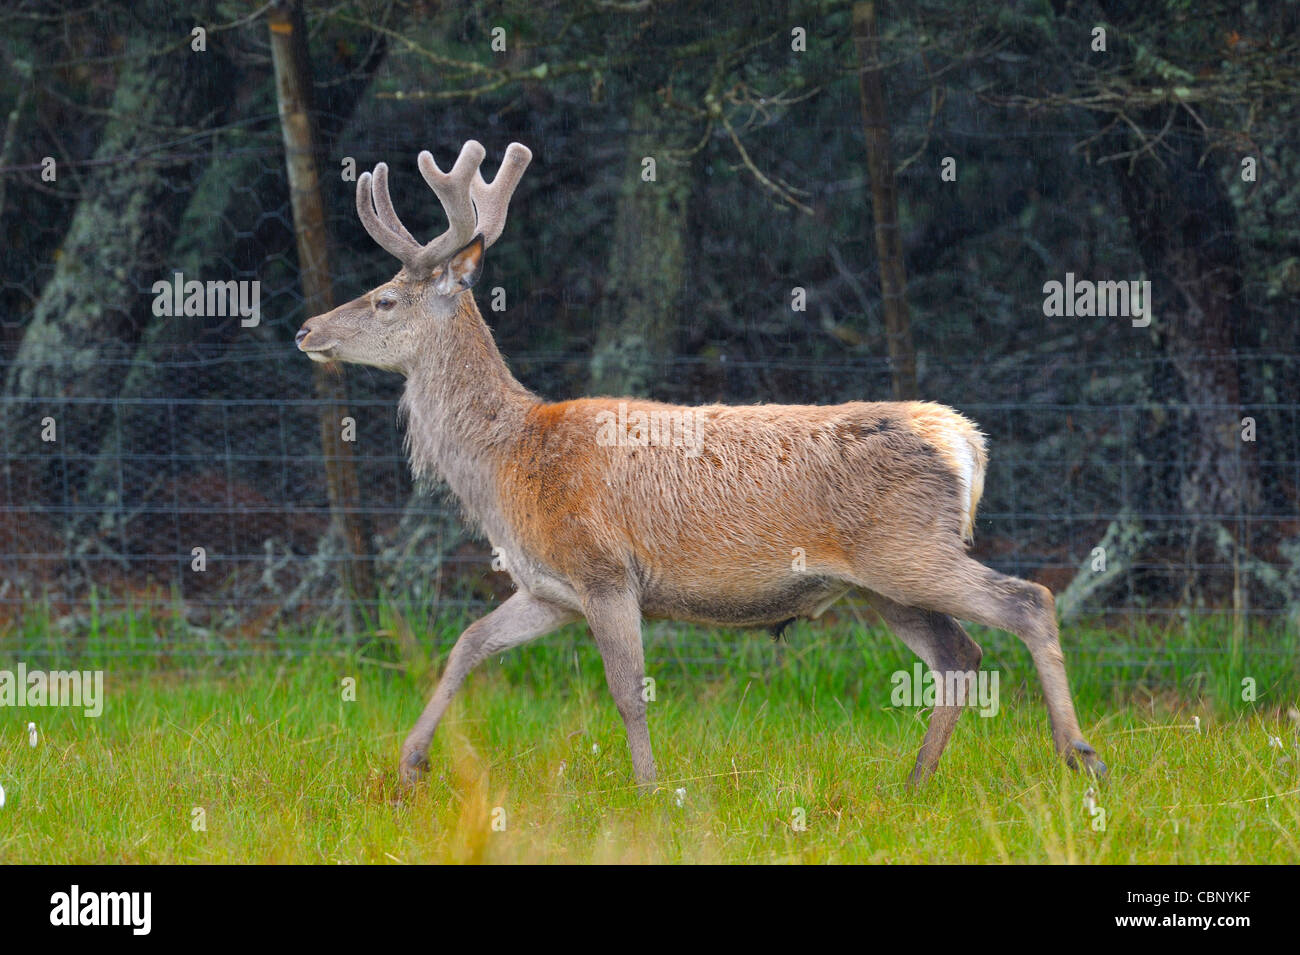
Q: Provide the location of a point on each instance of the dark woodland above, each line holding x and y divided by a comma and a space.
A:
849, 201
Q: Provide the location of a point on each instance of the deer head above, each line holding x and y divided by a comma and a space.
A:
385, 327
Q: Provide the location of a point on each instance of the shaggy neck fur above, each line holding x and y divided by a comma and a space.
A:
463, 408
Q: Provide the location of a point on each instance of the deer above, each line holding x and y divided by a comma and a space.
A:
875, 498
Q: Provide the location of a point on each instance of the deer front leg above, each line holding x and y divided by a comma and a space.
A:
615, 620
521, 618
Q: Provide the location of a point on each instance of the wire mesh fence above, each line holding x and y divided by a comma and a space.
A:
229, 462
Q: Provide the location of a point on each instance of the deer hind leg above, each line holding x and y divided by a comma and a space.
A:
950, 582
521, 618
950, 653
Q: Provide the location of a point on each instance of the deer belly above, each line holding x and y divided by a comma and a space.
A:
758, 604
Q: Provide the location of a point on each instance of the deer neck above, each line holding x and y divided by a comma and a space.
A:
463, 411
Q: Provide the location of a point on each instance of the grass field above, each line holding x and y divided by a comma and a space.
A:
767, 753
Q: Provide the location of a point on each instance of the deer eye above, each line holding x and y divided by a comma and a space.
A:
385, 302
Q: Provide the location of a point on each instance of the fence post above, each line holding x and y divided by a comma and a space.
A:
884, 203
294, 94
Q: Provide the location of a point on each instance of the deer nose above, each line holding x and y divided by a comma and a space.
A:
302, 333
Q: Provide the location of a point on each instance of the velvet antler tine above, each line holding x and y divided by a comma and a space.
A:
401, 244
492, 201
453, 191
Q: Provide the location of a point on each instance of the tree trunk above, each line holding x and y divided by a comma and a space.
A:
90, 314
1185, 230
638, 317
884, 204
294, 92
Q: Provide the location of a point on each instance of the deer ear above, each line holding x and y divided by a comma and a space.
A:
462, 269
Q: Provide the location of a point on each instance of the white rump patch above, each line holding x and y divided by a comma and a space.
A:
964, 459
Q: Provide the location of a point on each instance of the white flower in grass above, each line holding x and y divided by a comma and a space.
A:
1196, 723
2, 797
32, 737
1275, 742
679, 796
595, 749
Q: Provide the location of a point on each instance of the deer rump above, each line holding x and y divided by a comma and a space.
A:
749, 515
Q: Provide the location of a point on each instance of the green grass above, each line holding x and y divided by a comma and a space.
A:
756, 734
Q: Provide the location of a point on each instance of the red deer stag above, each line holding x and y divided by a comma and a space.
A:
739, 516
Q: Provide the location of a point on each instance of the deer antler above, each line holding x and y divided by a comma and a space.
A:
453, 191
383, 225
491, 201
471, 204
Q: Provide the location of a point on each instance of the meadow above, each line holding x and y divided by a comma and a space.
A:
284, 751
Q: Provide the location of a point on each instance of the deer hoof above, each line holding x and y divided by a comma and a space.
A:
413, 768
919, 776
1088, 757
